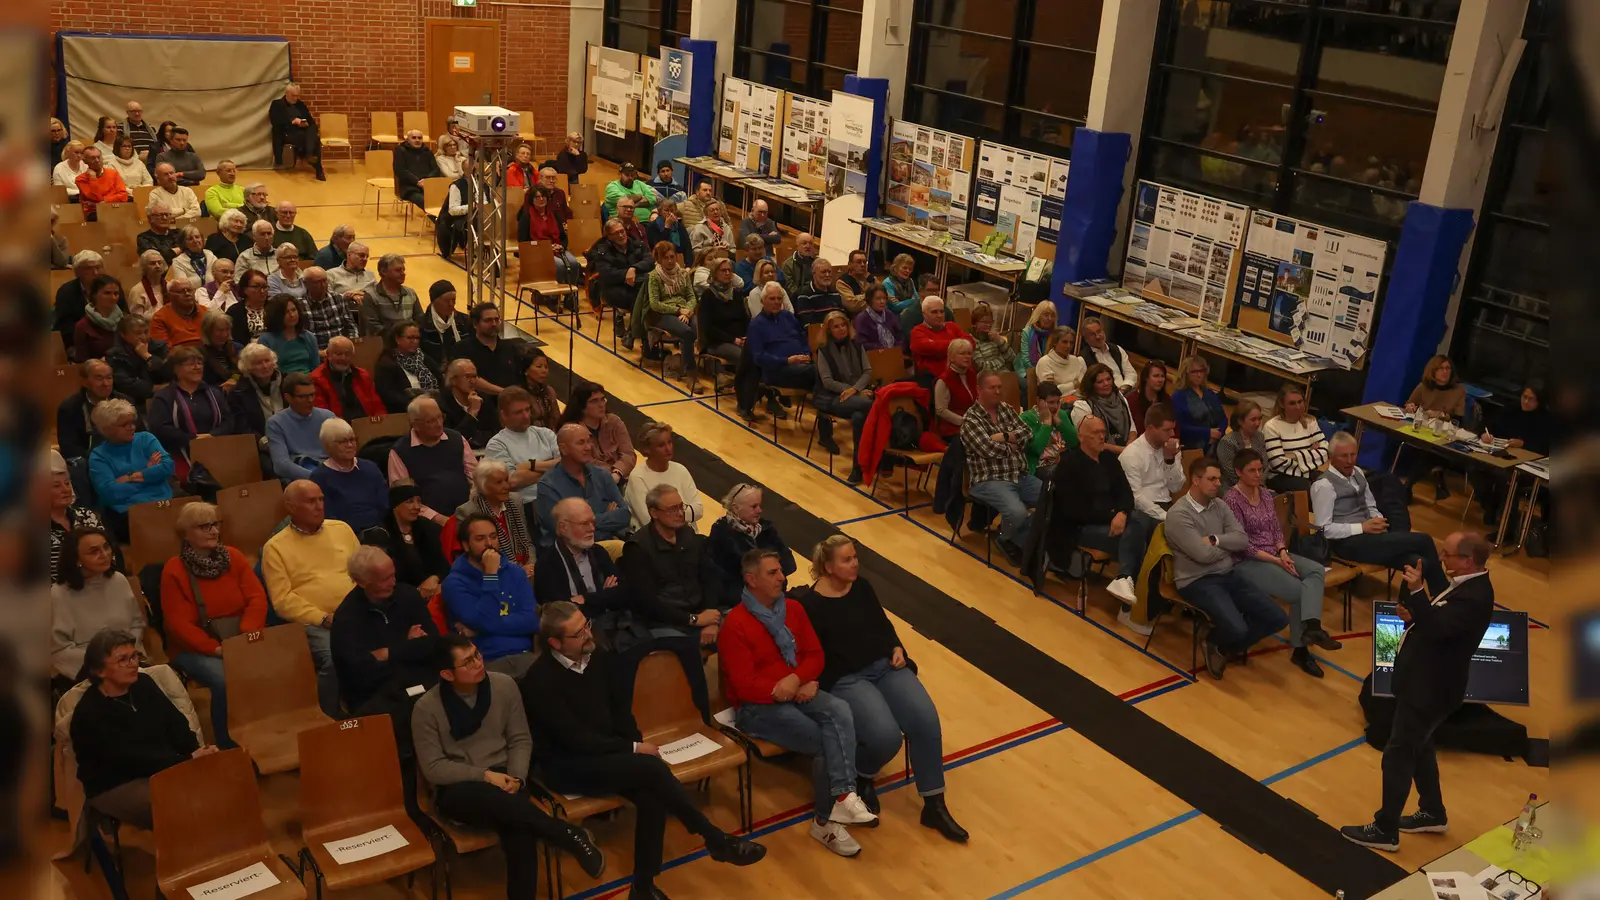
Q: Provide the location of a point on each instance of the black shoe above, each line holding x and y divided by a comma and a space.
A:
826, 442
1370, 835
646, 892
1308, 664
775, 409
321, 175
855, 475
1424, 822
582, 847
1012, 552
1441, 491
735, 851
868, 792
937, 816
1216, 660
749, 415
1321, 638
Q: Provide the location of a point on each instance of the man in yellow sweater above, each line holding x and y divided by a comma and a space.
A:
305, 569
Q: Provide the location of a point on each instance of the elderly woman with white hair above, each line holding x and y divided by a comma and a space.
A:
287, 279
492, 496
66, 172
66, 514
258, 394
130, 468
260, 255
231, 228
151, 292
192, 262
740, 530
222, 292
354, 490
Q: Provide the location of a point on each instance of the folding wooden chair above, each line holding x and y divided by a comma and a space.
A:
370, 428
69, 213
1187, 458
1169, 593
141, 200
58, 196
528, 132
754, 747
888, 365
434, 193
905, 459
61, 381
272, 694
368, 350
664, 710
583, 232
94, 236
536, 278
988, 533
379, 165
349, 786
415, 118
1294, 511
249, 514
231, 459
120, 219
593, 193
1009, 390
961, 315
385, 128
152, 528
334, 131
451, 839
209, 824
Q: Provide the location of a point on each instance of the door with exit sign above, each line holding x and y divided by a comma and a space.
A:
463, 65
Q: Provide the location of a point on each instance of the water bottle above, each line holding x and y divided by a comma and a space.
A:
1524, 831
1339, 894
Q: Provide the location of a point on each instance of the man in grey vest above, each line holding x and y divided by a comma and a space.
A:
1204, 536
1343, 509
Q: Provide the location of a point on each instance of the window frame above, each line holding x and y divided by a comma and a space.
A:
814, 65
666, 12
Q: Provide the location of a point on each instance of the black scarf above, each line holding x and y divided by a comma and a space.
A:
465, 720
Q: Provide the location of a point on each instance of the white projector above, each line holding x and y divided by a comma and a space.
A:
487, 121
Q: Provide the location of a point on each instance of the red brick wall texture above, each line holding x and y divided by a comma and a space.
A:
360, 56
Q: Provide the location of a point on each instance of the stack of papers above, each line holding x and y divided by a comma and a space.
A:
1388, 411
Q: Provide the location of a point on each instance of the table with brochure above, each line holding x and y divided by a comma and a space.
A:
1493, 867
945, 248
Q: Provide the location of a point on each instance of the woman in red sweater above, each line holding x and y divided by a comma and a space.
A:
233, 599
537, 221
771, 660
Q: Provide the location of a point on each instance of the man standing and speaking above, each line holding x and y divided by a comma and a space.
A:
1443, 629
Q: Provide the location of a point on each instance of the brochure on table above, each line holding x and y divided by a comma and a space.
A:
849, 129
930, 178
1019, 194
1184, 249
1310, 286
615, 87
676, 75
751, 125
805, 141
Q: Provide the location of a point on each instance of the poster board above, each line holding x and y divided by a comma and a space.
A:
1309, 286
849, 143
614, 90
930, 177
673, 89
654, 115
751, 125
1010, 188
805, 141
1184, 249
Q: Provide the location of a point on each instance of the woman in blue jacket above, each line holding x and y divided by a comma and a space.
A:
1201, 419
129, 468
287, 336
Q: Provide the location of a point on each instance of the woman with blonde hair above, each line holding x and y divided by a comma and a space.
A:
151, 292
766, 270
669, 303
193, 262
1035, 338
742, 529
1201, 420
66, 171
865, 664
1061, 365
901, 284
447, 153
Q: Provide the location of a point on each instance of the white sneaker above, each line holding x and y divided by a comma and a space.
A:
834, 836
1122, 589
851, 811
1128, 623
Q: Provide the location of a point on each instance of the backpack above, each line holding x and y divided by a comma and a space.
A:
905, 430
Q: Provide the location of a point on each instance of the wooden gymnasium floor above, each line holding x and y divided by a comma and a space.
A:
1053, 812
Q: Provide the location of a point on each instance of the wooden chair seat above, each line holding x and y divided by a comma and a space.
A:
463, 839
274, 742
417, 852
272, 694
575, 810
1340, 574
1094, 555
287, 888
729, 757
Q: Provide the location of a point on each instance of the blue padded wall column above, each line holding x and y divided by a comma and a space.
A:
876, 90
702, 95
1411, 323
1089, 213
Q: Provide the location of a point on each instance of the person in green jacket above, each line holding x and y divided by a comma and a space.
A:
668, 302
629, 183
1053, 432
229, 194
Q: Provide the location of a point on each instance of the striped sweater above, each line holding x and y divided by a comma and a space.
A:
1297, 449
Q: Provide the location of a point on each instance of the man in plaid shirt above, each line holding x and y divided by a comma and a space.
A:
994, 435
327, 316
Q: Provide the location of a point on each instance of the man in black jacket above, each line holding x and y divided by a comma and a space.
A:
586, 740
383, 641
669, 569
413, 161
292, 124
1093, 507
1443, 630
621, 265
75, 433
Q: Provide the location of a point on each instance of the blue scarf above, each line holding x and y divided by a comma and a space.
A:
775, 621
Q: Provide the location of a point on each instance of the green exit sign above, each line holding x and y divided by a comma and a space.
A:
465, 2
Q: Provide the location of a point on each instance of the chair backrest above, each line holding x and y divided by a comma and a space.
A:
613, 548
349, 770
368, 428
206, 225
206, 811
82, 236
230, 458
386, 124
368, 349
333, 125
249, 513
515, 194
1187, 457
379, 163
269, 673
814, 335
537, 262
525, 122
418, 119
1009, 390
661, 697
151, 527
58, 195
61, 382
69, 213
141, 199
586, 208
1302, 511
888, 364
584, 232
434, 192
120, 218
590, 193
1285, 508
961, 315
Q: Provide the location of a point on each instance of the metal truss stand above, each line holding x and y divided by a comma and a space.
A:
486, 218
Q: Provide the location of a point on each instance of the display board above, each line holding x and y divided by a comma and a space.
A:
672, 92
849, 144
805, 141
654, 114
1184, 249
614, 89
1310, 286
930, 177
1010, 188
751, 125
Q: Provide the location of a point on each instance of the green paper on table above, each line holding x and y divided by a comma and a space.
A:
1495, 847
1426, 434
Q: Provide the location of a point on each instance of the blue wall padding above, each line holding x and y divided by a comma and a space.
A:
876, 90
1412, 319
1089, 213
702, 95
670, 149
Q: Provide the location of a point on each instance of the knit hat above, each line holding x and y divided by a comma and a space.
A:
440, 288
400, 493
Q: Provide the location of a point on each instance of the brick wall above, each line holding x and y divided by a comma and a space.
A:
353, 58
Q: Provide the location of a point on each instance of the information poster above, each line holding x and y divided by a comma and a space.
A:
849, 143
1312, 286
1019, 194
930, 179
751, 126
653, 114
1184, 249
677, 71
614, 90
805, 142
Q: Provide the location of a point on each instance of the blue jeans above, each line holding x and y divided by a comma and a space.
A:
1012, 500
685, 332
327, 678
1240, 612
1303, 593
568, 269
886, 703
824, 729
1129, 546
208, 671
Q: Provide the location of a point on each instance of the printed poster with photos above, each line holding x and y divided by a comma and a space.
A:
749, 134
613, 90
930, 177
672, 92
1310, 285
654, 112
1184, 249
849, 144
1019, 194
805, 142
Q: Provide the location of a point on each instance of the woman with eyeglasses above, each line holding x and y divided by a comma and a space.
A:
740, 530
124, 158
89, 596
250, 315
613, 447
130, 467
206, 572
354, 490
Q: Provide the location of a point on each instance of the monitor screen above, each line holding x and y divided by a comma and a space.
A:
1499, 671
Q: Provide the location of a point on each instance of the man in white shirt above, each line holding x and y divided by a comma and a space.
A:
352, 279
1152, 465
1097, 349
1344, 510
528, 450
184, 204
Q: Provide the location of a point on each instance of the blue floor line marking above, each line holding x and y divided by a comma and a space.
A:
1319, 758
877, 515
1325, 661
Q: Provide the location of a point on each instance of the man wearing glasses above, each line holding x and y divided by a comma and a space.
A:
672, 575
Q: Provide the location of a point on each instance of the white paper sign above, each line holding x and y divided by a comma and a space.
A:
250, 880
726, 717
365, 846
690, 748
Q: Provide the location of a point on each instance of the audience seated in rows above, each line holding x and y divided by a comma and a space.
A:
1149, 390
538, 220
88, 596
219, 354
137, 363
178, 322
491, 597
285, 231
66, 513
626, 213
188, 409
797, 268
135, 127
413, 161
304, 566
1092, 505
619, 262
182, 158
497, 360
877, 326
294, 433
724, 326
384, 642
1296, 447
147, 296
612, 447
492, 498
521, 172
854, 281
844, 385
1245, 435
76, 435
1036, 339
765, 273
1344, 510
668, 568
1053, 432
819, 298
287, 280
991, 350
443, 327
1098, 396
354, 490
428, 457
73, 297
955, 388
465, 410
655, 441
66, 167
669, 304
546, 409
577, 476
693, 206
759, 223
714, 231
161, 236
259, 393
336, 250
777, 344
256, 208
667, 226
350, 279
227, 193
1201, 419
629, 184
413, 542
342, 387
403, 371
1063, 367
752, 250
180, 198
124, 159
576, 568
994, 435
97, 183
192, 262
232, 226
96, 330
928, 341
262, 254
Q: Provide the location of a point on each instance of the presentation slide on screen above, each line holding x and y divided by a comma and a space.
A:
1499, 671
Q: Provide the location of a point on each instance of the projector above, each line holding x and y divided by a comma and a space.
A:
487, 121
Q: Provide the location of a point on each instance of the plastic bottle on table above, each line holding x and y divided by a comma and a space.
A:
1521, 831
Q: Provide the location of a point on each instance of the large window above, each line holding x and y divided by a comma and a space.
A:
645, 26
1503, 330
1322, 109
1016, 71
805, 47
